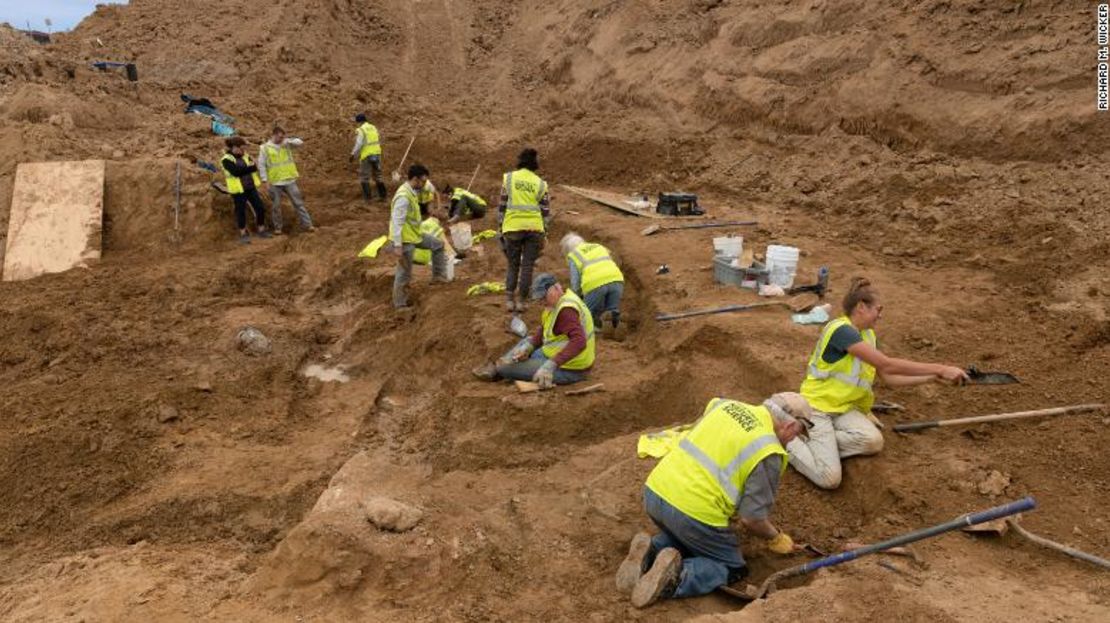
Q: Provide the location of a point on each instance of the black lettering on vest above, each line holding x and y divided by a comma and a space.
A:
524, 185
743, 416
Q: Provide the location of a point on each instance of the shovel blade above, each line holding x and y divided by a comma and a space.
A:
997, 527
978, 377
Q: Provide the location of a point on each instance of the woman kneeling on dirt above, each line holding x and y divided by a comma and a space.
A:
838, 382
562, 349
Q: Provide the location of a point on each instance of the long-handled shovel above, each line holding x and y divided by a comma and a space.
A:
1001, 526
797, 304
397, 172
1005, 510
653, 229
998, 417
471, 182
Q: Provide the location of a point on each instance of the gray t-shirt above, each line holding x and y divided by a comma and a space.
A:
758, 498
842, 339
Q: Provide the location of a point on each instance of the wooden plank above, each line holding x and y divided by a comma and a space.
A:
621, 202
526, 387
56, 218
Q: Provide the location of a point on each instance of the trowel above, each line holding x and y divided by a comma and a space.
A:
978, 377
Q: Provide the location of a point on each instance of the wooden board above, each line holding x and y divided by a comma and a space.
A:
624, 203
56, 218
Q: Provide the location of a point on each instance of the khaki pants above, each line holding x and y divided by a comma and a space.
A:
832, 438
370, 167
403, 275
294, 192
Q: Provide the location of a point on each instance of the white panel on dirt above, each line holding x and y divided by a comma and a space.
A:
56, 218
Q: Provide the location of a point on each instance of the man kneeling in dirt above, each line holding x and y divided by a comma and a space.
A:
561, 351
729, 463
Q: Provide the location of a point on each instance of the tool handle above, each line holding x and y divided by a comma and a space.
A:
998, 417
404, 157
706, 225
706, 312
1060, 547
915, 426
990, 514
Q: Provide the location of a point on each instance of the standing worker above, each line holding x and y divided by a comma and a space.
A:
241, 177
405, 235
522, 215
464, 205
595, 277
562, 350
838, 383
729, 463
368, 148
279, 174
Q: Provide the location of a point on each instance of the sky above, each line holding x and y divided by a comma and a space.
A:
65, 14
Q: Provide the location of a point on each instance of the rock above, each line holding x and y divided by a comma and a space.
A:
118, 154
167, 413
253, 342
391, 515
994, 484
806, 186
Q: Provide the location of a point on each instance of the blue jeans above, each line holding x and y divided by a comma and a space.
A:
606, 298
710, 555
525, 370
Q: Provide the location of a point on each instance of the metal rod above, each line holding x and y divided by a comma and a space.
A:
915, 426
972, 519
1070, 551
176, 195
715, 310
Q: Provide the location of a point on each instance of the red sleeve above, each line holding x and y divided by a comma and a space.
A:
567, 323
537, 337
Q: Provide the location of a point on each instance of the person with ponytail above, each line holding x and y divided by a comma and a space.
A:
838, 387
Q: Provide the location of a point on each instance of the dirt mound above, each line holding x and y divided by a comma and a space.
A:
151, 470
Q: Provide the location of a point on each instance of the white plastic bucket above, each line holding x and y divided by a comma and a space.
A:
461, 238
782, 262
728, 246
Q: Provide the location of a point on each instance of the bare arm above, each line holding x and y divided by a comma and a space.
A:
902, 380
904, 367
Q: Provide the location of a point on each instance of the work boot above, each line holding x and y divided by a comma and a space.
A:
365, 191
633, 566
486, 372
510, 303
660, 581
382, 193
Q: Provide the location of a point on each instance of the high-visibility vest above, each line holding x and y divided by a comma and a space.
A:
410, 231
704, 477
842, 386
553, 343
279, 163
524, 189
371, 143
595, 266
428, 193
461, 193
234, 184
431, 227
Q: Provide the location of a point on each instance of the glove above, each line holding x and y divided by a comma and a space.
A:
781, 544
520, 352
545, 376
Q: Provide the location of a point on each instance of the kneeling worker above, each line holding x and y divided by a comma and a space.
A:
562, 350
464, 205
405, 235
841, 370
595, 277
729, 463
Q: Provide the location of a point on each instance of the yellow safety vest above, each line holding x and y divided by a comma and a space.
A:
552, 343
234, 184
844, 385
279, 163
460, 193
428, 193
410, 231
704, 478
431, 227
371, 143
595, 266
524, 189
